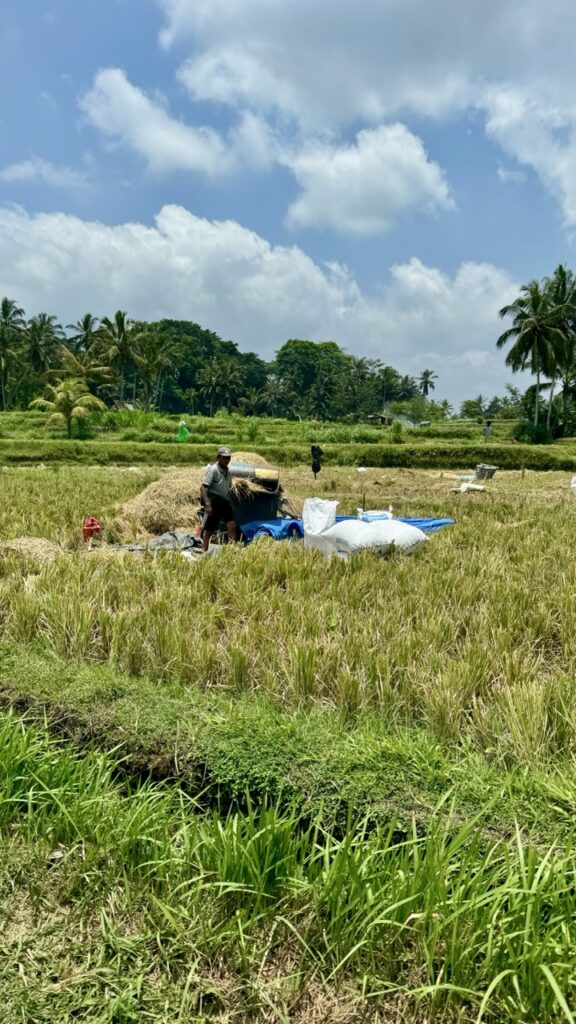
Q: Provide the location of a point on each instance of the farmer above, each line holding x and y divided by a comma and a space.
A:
488, 430
183, 431
216, 491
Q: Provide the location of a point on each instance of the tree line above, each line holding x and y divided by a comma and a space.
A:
179, 367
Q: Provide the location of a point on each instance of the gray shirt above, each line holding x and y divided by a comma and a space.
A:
217, 482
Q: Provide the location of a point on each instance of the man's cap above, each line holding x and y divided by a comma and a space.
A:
224, 451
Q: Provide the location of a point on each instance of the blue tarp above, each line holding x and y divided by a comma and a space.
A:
293, 529
279, 529
426, 525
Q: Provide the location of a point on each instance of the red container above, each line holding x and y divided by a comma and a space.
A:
91, 528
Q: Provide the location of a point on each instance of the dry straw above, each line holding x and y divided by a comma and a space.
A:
172, 502
35, 549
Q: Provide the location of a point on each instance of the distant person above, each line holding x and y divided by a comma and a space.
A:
488, 430
216, 491
317, 454
183, 431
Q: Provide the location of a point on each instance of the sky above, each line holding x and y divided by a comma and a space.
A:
384, 174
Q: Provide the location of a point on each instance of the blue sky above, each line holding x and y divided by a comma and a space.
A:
384, 175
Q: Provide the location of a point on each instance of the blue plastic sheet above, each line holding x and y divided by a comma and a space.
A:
424, 524
427, 525
279, 529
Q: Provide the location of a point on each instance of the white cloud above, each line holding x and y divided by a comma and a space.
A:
357, 189
324, 65
539, 135
128, 116
361, 189
233, 281
37, 171
124, 113
346, 60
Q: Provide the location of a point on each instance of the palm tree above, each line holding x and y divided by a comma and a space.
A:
152, 358
42, 337
120, 337
67, 400
536, 333
278, 398
12, 323
220, 383
562, 295
320, 396
407, 389
426, 382
388, 384
83, 365
210, 383
85, 333
251, 402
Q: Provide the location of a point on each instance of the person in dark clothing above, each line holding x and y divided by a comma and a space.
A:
317, 454
216, 491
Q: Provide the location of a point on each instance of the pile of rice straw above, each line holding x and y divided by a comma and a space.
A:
172, 502
38, 550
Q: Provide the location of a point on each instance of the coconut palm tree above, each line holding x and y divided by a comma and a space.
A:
426, 382
278, 398
407, 389
535, 332
84, 333
388, 384
320, 396
12, 324
83, 365
152, 359
210, 384
221, 383
67, 400
42, 340
120, 336
562, 296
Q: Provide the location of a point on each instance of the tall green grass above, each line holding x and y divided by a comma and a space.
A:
173, 915
134, 425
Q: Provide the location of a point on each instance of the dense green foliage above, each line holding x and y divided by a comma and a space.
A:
178, 366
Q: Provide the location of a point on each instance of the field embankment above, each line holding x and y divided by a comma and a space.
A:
421, 455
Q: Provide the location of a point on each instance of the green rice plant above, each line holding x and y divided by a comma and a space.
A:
167, 910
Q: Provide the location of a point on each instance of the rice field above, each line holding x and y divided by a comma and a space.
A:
444, 895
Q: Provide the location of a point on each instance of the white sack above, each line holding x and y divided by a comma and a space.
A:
318, 516
347, 538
